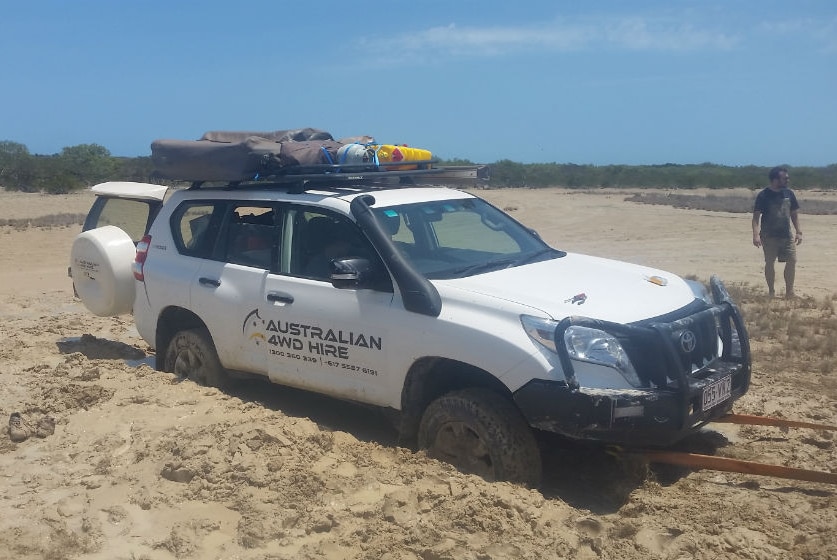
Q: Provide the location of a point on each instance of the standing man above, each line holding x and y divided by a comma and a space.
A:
775, 210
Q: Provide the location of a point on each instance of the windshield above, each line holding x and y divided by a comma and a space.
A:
460, 237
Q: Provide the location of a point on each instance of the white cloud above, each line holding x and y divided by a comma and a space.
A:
633, 33
821, 32
662, 35
494, 40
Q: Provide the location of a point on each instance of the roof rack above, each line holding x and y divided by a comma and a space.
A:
298, 158
369, 170
299, 179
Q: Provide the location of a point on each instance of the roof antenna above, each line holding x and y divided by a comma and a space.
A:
299, 187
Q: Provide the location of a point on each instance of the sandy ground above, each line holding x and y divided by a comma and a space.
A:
144, 466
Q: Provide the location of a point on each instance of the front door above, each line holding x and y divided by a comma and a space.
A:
333, 341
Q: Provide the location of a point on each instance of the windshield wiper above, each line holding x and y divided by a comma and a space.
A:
532, 257
486, 266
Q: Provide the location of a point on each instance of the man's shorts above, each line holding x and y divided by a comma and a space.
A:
781, 248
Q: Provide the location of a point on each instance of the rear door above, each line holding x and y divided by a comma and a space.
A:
105, 287
131, 207
227, 291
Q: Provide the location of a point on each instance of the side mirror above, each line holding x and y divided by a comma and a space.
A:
358, 273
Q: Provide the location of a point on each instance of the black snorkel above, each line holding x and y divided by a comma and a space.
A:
417, 292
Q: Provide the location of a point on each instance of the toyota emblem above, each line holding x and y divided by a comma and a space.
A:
688, 341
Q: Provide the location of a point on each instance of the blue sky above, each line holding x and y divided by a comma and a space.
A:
607, 82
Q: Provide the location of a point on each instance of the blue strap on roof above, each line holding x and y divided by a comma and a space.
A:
327, 155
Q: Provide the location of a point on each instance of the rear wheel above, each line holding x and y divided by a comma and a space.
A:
192, 354
480, 432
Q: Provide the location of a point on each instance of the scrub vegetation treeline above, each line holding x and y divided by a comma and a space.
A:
78, 167
507, 173
74, 168
723, 202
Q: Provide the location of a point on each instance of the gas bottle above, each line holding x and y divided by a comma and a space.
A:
356, 154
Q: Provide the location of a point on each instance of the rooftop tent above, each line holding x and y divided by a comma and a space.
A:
297, 135
235, 156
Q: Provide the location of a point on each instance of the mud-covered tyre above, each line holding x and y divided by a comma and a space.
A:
192, 354
100, 265
480, 432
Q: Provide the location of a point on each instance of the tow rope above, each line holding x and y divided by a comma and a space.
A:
769, 421
698, 461
713, 462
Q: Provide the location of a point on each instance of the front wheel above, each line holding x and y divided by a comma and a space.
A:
480, 432
192, 354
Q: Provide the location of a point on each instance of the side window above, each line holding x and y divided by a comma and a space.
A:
192, 228
252, 235
129, 215
396, 225
320, 237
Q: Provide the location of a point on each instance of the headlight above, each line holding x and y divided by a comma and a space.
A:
598, 347
540, 330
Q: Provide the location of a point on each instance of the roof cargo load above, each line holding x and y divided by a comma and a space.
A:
245, 156
297, 135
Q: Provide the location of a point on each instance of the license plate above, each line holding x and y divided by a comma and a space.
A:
717, 392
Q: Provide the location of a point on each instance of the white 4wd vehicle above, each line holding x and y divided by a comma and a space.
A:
425, 301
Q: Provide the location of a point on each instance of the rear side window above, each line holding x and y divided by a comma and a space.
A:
252, 236
131, 216
243, 233
192, 228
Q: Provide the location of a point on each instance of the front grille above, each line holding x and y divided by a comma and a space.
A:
695, 340
677, 350
689, 343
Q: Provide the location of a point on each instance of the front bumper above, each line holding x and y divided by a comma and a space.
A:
672, 404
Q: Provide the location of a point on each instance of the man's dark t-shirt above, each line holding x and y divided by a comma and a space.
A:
776, 208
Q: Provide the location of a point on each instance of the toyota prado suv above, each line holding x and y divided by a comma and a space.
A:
426, 301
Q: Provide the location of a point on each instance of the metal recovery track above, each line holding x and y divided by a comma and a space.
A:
699, 461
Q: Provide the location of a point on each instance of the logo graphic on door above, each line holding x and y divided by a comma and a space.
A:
253, 328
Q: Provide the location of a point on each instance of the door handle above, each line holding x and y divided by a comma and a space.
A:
279, 297
210, 282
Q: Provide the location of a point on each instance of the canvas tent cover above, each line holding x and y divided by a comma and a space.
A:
246, 155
